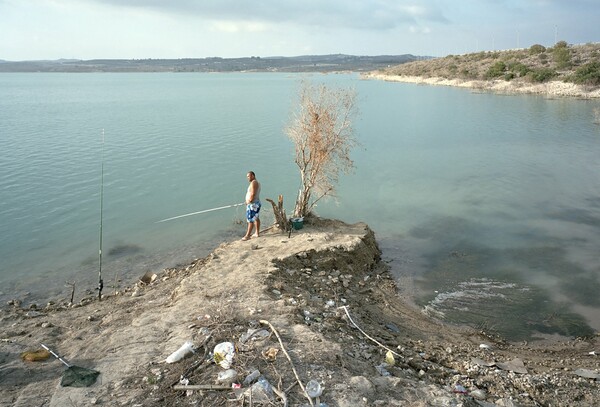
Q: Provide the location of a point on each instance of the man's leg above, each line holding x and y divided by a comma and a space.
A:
249, 230
257, 233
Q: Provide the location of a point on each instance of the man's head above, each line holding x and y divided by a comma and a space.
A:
251, 176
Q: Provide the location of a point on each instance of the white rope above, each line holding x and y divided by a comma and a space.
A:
365, 334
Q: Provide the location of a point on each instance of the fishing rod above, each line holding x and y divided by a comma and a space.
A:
199, 212
100, 282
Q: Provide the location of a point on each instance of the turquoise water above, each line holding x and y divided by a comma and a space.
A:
461, 188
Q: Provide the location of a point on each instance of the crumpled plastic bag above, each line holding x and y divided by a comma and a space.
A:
223, 354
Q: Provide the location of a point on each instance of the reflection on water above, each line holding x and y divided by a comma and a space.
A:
125, 249
515, 292
513, 311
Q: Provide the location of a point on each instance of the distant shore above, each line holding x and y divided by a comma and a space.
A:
550, 89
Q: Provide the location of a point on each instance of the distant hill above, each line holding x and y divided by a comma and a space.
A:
578, 64
307, 63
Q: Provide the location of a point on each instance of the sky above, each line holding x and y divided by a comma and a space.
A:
138, 29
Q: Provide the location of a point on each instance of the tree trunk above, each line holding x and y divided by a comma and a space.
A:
281, 219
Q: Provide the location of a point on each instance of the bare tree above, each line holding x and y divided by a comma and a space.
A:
323, 136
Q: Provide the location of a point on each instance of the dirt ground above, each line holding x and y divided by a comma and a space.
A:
317, 305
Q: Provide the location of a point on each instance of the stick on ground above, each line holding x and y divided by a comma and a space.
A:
264, 322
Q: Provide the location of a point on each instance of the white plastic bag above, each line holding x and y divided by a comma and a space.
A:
223, 354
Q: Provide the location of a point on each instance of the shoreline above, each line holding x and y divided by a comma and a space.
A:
302, 285
549, 89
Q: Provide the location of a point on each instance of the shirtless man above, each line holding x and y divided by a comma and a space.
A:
252, 206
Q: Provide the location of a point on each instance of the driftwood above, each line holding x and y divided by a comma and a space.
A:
281, 219
201, 387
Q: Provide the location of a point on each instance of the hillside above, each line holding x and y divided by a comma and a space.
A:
572, 69
306, 63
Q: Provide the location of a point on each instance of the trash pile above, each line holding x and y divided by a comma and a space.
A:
242, 370
362, 357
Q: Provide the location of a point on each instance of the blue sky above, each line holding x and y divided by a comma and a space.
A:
90, 29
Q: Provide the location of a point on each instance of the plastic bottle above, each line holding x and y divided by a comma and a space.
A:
313, 389
180, 353
251, 377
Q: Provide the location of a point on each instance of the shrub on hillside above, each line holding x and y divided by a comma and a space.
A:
518, 68
496, 70
588, 74
537, 49
561, 44
541, 75
466, 74
562, 57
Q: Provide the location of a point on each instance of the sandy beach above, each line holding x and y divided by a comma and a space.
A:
318, 305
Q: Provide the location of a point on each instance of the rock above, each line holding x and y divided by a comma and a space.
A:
14, 303
479, 394
148, 278
588, 374
515, 365
362, 385
505, 402
393, 328
227, 376
381, 369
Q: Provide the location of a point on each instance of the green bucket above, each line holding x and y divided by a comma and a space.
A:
297, 223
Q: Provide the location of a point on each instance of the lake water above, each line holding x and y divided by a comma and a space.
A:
487, 207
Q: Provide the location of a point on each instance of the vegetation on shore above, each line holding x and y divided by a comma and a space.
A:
578, 64
323, 136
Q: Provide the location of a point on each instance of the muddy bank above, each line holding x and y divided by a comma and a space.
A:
318, 305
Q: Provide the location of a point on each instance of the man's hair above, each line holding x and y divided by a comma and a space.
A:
252, 173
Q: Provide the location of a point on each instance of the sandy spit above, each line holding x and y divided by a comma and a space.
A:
549, 89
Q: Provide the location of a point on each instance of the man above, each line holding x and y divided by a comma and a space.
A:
252, 206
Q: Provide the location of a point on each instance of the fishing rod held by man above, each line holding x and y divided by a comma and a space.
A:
199, 212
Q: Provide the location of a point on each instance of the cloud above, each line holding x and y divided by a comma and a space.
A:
419, 30
349, 14
50, 29
236, 27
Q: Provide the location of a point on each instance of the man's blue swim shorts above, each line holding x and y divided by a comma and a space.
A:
252, 211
